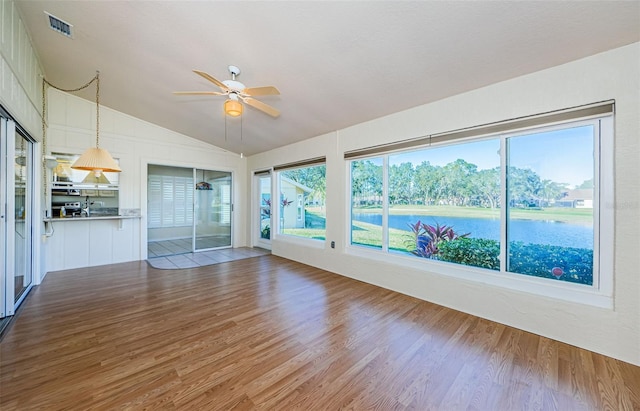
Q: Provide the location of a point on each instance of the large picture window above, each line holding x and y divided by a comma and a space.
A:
517, 203
301, 202
550, 198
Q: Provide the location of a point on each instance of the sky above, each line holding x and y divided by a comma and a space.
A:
563, 156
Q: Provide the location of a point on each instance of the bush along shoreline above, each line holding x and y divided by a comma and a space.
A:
441, 243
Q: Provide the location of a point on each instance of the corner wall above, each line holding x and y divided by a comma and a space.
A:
611, 75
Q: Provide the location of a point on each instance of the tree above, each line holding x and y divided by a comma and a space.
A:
486, 185
366, 182
429, 183
524, 187
586, 184
313, 177
401, 183
457, 179
551, 190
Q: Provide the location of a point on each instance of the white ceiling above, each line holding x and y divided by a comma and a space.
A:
336, 64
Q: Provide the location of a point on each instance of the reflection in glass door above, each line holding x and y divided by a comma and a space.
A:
263, 228
22, 213
212, 210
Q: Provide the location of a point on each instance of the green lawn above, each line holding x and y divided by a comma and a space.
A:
371, 235
315, 220
315, 233
363, 233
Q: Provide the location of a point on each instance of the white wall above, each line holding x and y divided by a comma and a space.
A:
20, 71
611, 75
21, 96
136, 144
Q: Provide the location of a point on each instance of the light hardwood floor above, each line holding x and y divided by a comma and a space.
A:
272, 334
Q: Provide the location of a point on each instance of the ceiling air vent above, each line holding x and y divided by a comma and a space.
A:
58, 25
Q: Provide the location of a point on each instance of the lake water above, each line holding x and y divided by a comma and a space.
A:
528, 231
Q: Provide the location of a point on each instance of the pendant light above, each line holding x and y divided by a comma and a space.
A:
96, 159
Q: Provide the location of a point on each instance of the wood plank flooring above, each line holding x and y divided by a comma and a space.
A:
271, 334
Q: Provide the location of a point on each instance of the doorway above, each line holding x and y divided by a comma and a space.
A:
189, 210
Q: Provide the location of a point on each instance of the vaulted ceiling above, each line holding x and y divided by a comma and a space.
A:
336, 64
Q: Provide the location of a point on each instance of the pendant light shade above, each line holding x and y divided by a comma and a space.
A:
233, 108
97, 160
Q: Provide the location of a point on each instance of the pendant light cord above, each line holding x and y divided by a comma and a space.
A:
225, 131
46, 83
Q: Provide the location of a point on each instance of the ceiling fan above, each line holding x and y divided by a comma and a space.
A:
235, 90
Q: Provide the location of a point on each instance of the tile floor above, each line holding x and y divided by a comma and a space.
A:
183, 245
192, 260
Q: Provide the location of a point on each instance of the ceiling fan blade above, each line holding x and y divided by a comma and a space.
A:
261, 106
199, 93
261, 91
212, 79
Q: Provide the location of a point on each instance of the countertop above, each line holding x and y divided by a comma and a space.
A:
106, 217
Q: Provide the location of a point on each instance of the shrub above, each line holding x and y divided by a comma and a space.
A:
563, 263
571, 264
426, 239
477, 252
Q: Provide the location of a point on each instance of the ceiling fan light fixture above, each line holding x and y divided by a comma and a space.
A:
237, 94
233, 108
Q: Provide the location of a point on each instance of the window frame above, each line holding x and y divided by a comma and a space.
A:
277, 234
599, 294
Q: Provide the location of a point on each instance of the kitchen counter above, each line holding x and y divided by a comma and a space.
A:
98, 217
48, 222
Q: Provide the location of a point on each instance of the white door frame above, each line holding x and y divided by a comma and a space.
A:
256, 209
7, 222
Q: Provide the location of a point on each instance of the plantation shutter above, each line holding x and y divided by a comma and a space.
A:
154, 214
170, 201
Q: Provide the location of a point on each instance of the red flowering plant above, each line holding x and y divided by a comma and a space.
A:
426, 238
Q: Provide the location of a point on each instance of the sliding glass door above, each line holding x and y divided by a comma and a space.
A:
16, 216
23, 177
212, 210
188, 210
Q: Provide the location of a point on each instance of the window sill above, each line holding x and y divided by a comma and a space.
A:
569, 292
304, 241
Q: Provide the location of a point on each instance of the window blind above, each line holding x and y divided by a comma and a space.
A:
304, 163
574, 113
